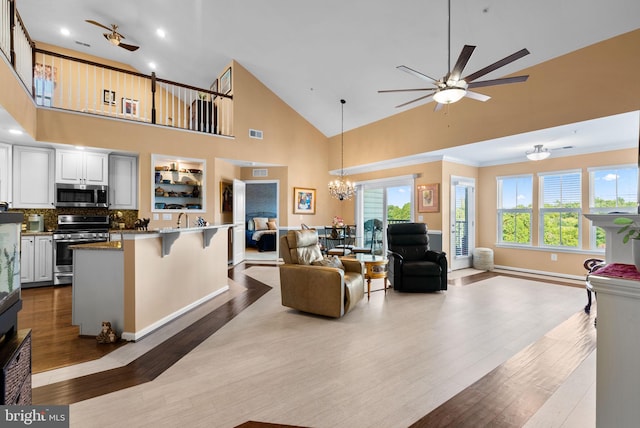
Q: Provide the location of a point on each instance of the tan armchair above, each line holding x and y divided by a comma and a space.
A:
317, 289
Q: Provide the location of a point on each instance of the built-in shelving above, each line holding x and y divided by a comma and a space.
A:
179, 184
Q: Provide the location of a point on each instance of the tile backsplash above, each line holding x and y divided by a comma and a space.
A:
50, 216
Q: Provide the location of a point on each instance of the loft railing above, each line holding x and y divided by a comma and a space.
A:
63, 82
15, 42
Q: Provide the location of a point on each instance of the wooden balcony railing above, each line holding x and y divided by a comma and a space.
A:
63, 82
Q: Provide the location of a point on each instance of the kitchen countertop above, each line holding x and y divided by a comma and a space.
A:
26, 233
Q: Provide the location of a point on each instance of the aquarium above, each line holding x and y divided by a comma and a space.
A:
10, 303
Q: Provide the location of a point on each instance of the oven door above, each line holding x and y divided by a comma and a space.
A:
63, 258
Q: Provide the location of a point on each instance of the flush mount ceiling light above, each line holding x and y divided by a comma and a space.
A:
341, 189
538, 153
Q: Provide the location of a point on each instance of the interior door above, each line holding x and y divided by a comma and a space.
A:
239, 190
462, 222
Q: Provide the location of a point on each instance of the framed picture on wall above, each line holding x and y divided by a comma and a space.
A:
108, 97
214, 88
304, 200
130, 107
225, 82
226, 196
428, 198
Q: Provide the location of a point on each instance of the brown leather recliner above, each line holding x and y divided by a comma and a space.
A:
321, 290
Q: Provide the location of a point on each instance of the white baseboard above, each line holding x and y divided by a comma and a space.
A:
540, 272
140, 334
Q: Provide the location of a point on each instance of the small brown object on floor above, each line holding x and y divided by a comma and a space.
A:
107, 335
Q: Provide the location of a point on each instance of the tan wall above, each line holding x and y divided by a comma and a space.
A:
558, 92
153, 288
568, 263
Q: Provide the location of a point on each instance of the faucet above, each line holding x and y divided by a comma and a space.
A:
186, 217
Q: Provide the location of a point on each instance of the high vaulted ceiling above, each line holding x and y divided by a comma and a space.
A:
313, 53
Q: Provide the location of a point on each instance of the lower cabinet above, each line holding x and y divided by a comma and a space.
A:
36, 262
15, 376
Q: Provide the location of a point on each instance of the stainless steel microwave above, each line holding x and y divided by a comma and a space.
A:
82, 195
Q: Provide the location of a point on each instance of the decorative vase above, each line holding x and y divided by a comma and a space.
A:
635, 252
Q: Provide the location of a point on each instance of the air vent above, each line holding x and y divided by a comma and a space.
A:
262, 172
254, 133
83, 44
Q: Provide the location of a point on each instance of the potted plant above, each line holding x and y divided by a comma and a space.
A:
631, 231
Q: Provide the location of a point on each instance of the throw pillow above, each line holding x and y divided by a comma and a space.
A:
330, 262
272, 225
261, 223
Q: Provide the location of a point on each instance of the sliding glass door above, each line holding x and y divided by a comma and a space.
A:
379, 203
462, 222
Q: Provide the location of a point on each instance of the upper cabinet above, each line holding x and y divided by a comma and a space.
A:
5, 172
123, 182
82, 167
179, 184
33, 177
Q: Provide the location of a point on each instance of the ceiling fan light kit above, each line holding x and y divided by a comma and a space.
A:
113, 37
453, 87
449, 95
538, 153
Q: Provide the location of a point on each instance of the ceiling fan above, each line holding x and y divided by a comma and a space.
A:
114, 37
452, 87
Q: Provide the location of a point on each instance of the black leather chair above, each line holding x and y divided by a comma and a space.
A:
413, 267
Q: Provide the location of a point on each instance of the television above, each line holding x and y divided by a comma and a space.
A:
10, 299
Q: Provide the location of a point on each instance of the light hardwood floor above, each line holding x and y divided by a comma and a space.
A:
392, 362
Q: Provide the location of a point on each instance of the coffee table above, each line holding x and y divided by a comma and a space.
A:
375, 268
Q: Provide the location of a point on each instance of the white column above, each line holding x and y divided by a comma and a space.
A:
616, 251
618, 352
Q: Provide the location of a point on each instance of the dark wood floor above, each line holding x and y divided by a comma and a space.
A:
55, 342
506, 397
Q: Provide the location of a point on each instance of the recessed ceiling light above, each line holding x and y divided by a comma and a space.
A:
65, 31
160, 32
152, 65
15, 131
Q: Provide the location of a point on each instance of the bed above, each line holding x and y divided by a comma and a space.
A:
261, 230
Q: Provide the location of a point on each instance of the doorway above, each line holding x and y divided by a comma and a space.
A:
378, 204
261, 201
462, 222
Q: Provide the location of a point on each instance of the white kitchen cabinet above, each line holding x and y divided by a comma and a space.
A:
5, 172
36, 262
82, 167
32, 177
27, 247
123, 182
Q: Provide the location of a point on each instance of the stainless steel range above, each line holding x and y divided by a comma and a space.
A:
75, 229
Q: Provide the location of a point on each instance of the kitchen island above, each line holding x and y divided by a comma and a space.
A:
144, 279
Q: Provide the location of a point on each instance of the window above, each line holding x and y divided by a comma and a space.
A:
515, 204
560, 212
612, 189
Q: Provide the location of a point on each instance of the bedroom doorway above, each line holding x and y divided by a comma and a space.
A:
262, 220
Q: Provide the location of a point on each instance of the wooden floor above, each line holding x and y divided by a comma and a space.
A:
47, 312
506, 397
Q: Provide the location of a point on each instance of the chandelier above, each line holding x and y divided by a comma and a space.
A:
341, 189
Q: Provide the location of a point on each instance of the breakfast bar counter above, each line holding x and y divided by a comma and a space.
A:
141, 280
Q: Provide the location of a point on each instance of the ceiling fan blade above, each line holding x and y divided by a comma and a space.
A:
430, 97
384, 91
415, 73
91, 21
129, 47
503, 81
496, 65
465, 54
477, 96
